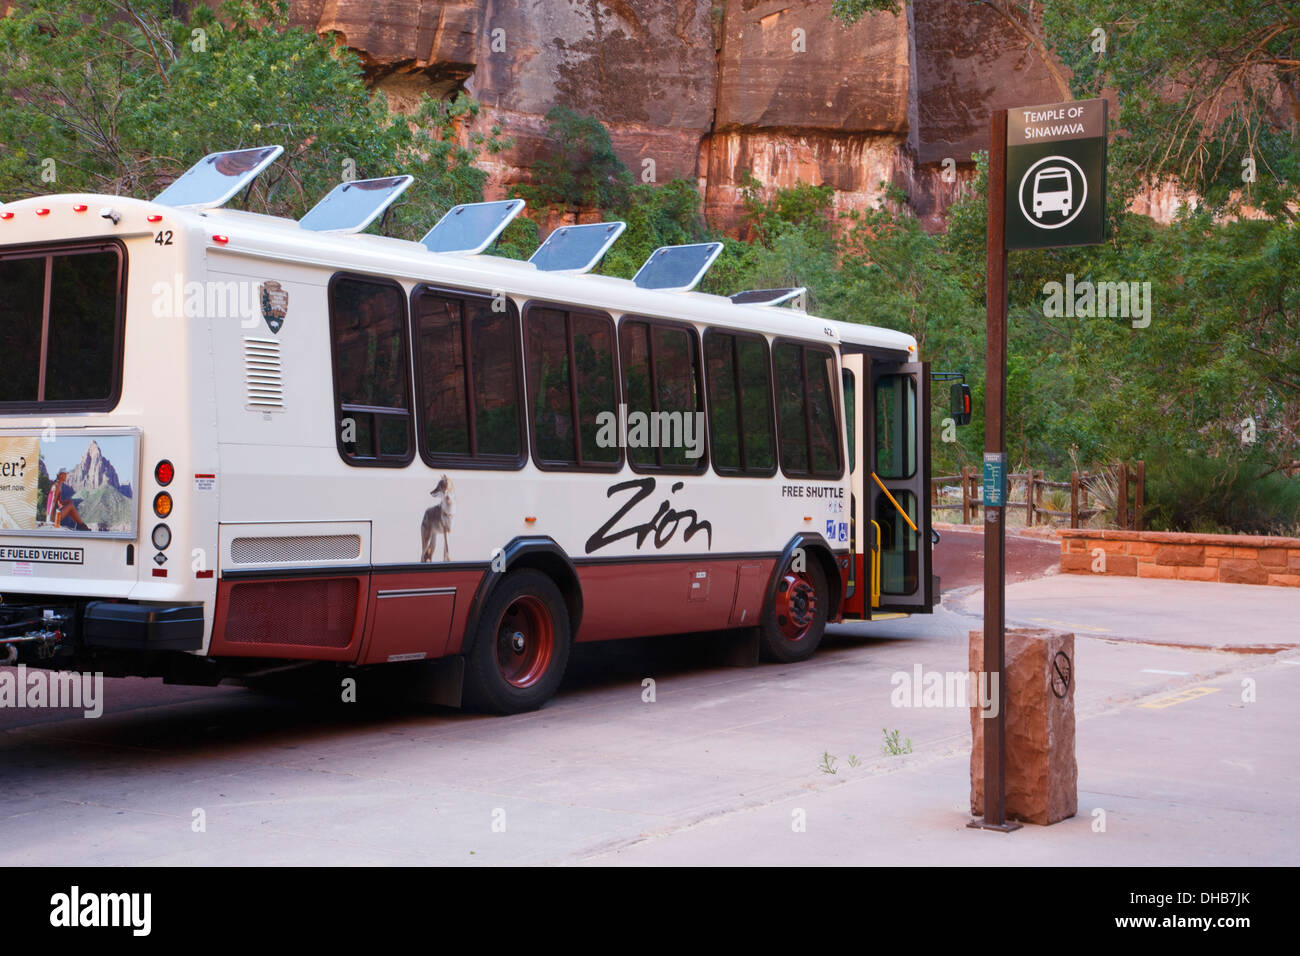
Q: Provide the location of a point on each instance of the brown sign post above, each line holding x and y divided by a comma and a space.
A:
995, 431
1057, 197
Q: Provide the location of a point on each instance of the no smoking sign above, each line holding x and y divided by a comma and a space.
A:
1056, 175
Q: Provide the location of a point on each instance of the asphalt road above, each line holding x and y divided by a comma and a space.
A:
959, 558
714, 769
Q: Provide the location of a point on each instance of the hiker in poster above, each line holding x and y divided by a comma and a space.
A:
60, 506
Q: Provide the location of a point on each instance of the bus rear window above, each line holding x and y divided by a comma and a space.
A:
61, 327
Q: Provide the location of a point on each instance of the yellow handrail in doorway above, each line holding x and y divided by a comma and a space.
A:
875, 568
909, 521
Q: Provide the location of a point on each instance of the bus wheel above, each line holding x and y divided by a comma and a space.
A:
793, 626
521, 646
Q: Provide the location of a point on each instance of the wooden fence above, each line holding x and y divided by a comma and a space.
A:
1126, 479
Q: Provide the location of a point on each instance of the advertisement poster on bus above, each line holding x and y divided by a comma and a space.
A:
69, 483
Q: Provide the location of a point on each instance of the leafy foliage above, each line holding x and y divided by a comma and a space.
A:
579, 166
123, 96
1203, 89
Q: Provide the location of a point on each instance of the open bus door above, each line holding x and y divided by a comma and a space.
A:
895, 485
862, 591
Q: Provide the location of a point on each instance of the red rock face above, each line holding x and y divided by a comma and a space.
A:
715, 89
645, 67
438, 40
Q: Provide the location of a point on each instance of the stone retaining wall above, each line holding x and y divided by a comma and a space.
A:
1228, 558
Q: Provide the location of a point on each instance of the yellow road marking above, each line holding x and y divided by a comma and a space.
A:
1072, 627
1179, 698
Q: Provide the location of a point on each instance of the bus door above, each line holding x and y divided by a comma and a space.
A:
897, 488
860, 592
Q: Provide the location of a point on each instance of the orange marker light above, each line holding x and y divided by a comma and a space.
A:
530, 518
162, 504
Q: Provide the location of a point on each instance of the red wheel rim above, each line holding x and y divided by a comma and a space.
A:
525, 641
796, 605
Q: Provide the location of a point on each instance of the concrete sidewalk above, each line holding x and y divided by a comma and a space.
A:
1165, 777
1241, 617
1211, 781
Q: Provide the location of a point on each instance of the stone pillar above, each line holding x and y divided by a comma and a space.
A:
1042, 776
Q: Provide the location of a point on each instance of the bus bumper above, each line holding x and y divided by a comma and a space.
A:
145, 627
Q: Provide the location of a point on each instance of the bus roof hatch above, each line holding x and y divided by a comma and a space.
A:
472, 227
351, 206
576, 249
677, 268
772, 297
214, 179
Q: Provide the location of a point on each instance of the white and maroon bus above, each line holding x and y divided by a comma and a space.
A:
232, 444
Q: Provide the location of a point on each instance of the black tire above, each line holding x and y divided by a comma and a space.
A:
521, 646
795, 619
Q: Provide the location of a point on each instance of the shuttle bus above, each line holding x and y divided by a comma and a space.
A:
233, 444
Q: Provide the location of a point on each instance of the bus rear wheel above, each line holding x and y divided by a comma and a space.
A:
521, 646
793, 625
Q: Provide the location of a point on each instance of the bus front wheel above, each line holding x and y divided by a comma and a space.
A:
521, 646
795, 621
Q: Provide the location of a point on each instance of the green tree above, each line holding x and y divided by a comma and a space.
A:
1209, 94
123, 96
578, 166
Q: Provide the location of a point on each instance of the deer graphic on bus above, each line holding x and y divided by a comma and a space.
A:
1053, 191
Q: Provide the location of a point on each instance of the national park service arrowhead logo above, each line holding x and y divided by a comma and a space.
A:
275, 304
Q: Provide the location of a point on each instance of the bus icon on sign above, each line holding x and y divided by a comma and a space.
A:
1053, 191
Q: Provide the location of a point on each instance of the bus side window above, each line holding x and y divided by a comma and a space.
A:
806, 415
571, 379
469, 410
372, 389
739, 383
661, 378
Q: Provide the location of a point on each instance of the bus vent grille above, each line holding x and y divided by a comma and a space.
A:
305, 613
263, 378
297, 549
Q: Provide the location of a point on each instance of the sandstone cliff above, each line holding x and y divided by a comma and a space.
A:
715, 90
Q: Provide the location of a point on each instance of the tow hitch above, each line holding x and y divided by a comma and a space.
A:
40, 630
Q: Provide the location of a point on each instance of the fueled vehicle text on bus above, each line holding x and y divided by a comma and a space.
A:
232, 444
